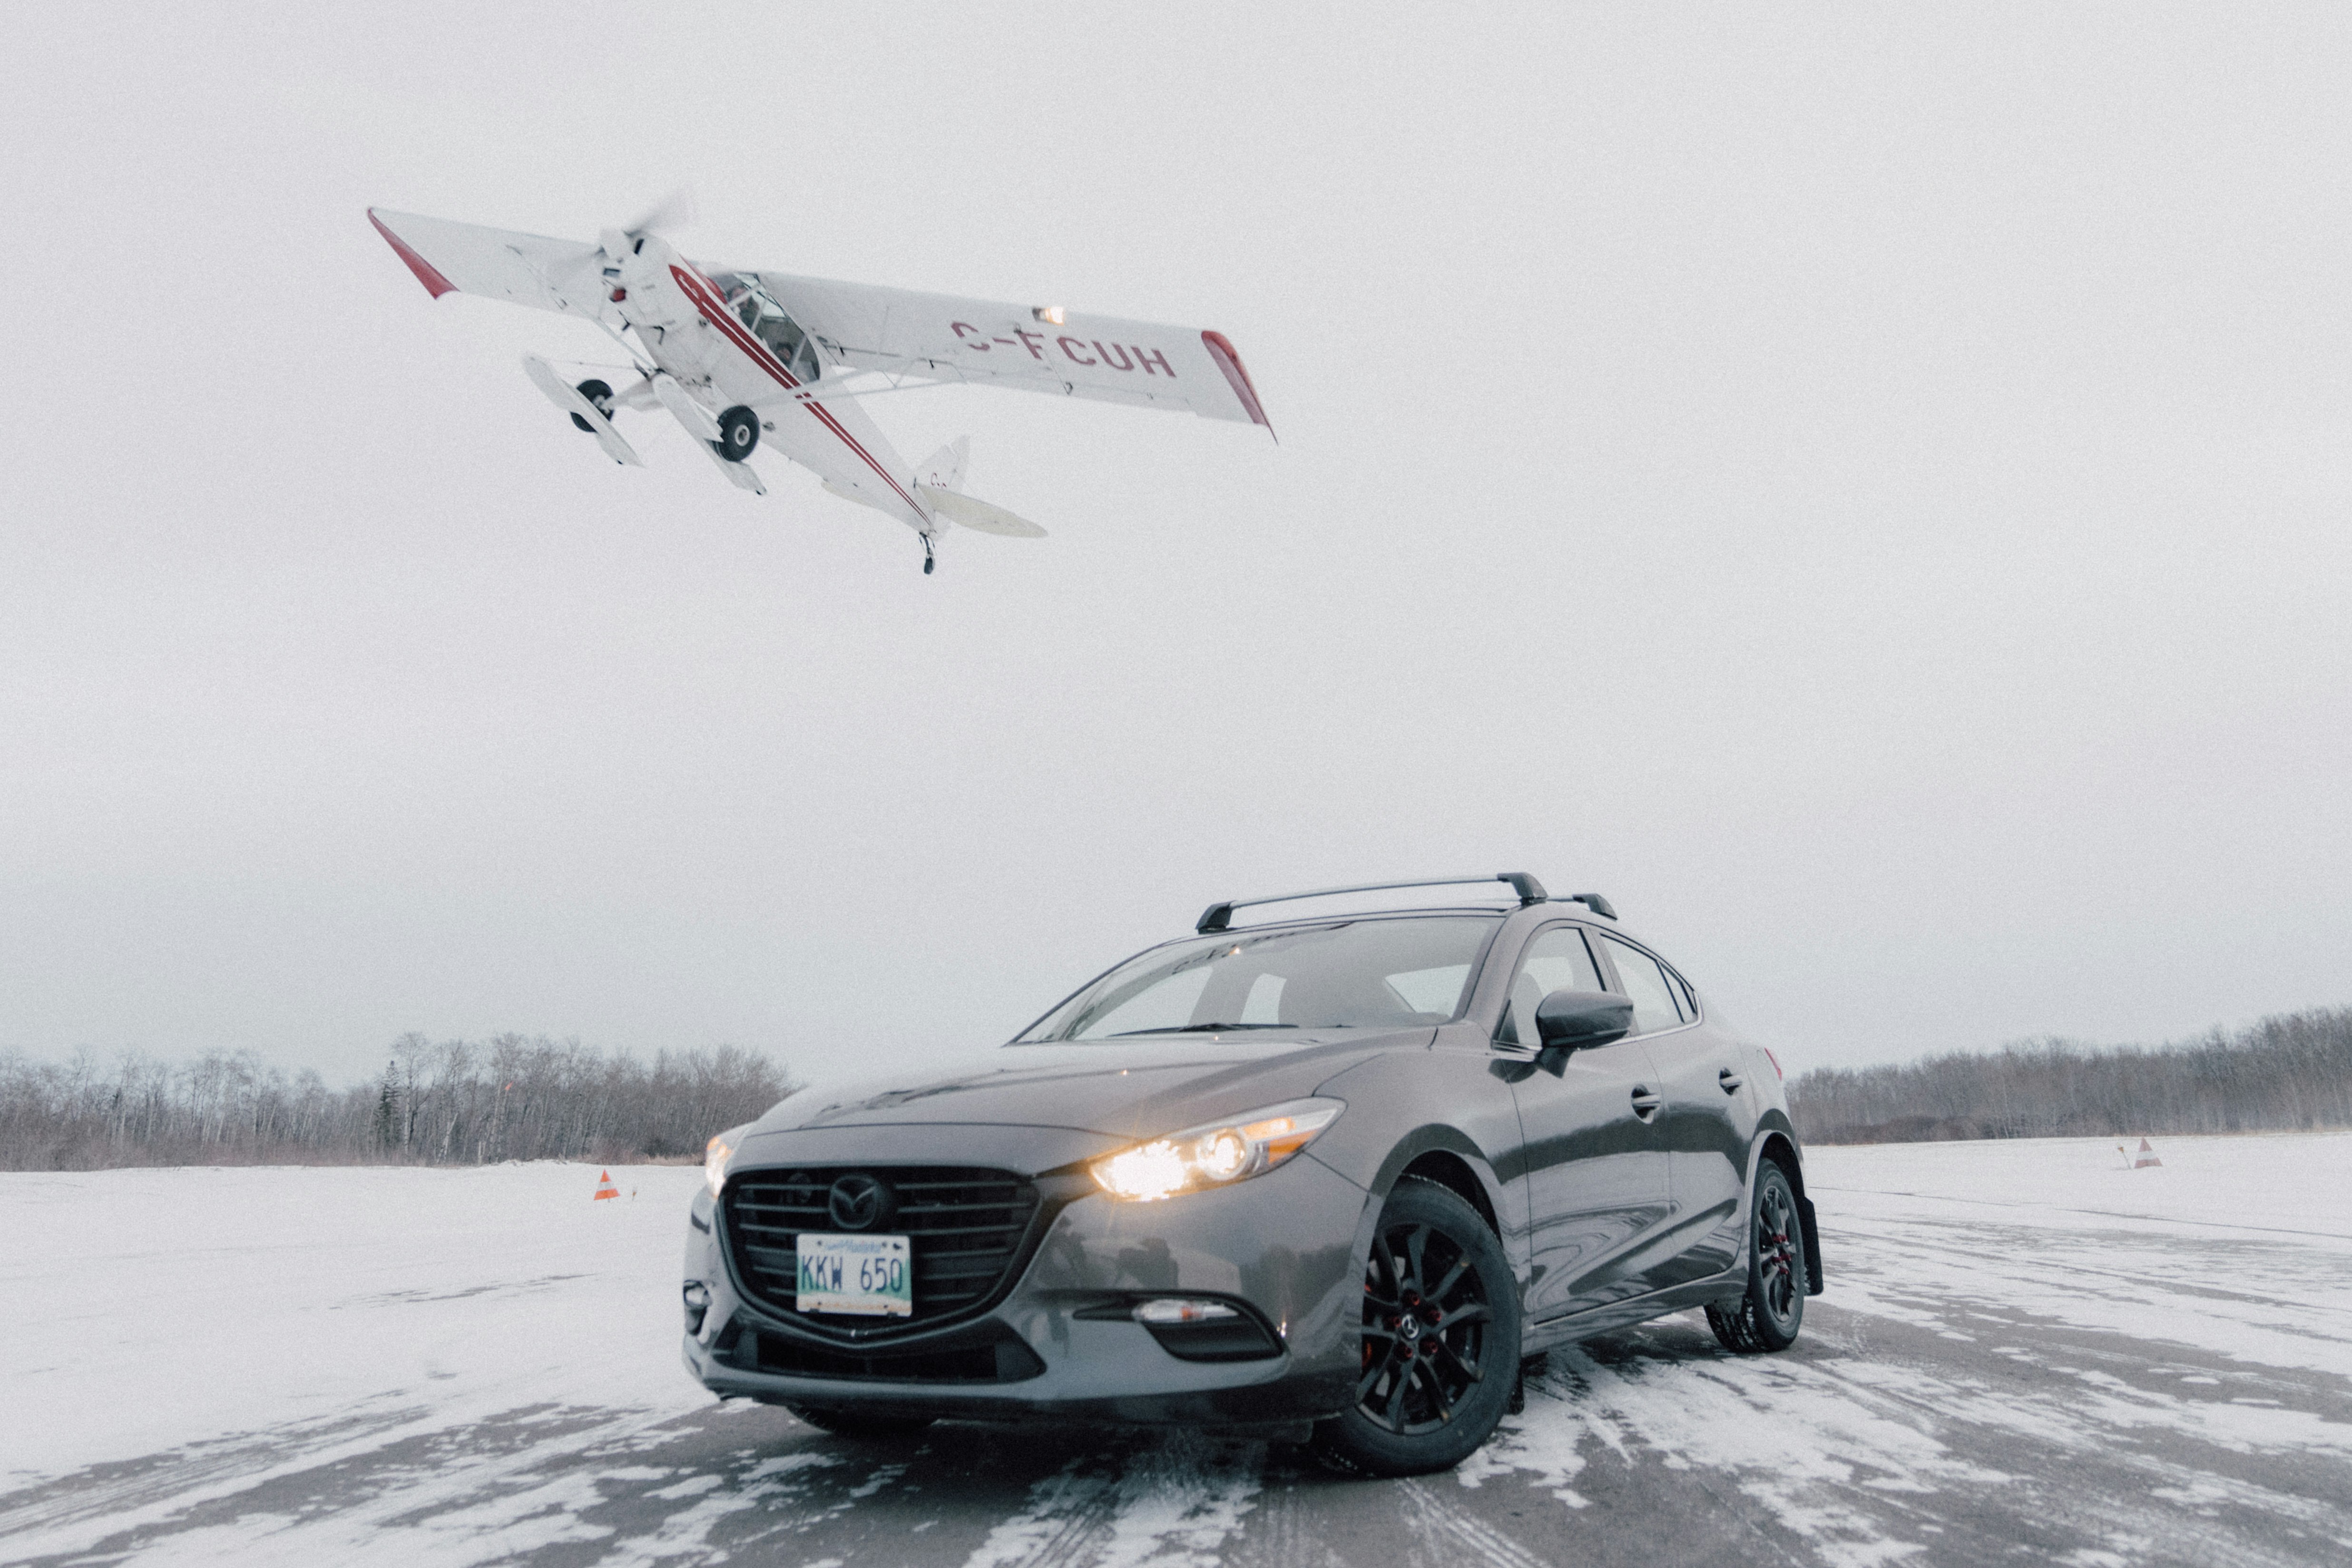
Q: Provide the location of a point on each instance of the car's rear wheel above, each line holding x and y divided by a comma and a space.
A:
1768, 1315
862, 1426
1440, 1338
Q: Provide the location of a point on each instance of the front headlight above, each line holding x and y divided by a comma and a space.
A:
715, 1155
1217, 1155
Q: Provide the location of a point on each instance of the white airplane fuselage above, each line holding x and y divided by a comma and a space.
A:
684, 324
751, 362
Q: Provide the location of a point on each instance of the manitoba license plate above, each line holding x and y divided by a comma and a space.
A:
869, 1274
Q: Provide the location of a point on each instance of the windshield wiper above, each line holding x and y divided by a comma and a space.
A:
1198, 1029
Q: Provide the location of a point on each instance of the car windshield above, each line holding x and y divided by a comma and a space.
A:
1347, 974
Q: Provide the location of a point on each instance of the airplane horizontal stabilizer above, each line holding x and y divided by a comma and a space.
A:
975, 513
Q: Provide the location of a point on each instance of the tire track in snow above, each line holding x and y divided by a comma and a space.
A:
1171, 1505
1986, 1385
1452, 1533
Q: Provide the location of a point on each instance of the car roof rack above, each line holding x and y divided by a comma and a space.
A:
1595, 902
1218, 917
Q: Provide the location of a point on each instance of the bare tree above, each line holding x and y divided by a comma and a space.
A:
2289, 1072
512, 1098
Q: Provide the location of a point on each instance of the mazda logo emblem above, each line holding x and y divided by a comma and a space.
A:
859, 1202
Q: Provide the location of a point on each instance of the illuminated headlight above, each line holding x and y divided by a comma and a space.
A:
715, 1156
1211, 1156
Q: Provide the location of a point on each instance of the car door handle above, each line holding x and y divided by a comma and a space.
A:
1645, 1102
1730, 1081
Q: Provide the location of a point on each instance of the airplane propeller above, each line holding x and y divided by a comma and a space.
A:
673, 212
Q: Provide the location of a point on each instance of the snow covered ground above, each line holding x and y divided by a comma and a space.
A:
2028, 1352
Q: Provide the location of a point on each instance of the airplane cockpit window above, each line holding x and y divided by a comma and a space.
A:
781, 334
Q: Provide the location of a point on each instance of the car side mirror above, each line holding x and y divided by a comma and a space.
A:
1570, 1020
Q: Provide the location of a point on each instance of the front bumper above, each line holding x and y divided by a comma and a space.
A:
1283, 1247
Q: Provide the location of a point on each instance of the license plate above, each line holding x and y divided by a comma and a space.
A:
874, 1275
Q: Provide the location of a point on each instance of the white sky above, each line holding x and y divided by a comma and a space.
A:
1866, 489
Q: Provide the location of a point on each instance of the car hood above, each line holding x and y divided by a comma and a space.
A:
1123, 1090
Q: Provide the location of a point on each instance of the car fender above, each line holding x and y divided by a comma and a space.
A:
1437, 1137
1393, 1091
1774, 1133
1464, 1164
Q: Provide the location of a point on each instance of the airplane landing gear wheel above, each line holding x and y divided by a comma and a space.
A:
930, 561
597, 393
739, 432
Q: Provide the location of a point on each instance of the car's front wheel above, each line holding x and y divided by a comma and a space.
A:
1768, 1315
1441, 1339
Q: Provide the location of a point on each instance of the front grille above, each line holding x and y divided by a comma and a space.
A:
966, 1232
999, 1359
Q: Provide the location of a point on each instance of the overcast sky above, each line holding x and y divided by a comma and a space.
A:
1865, 489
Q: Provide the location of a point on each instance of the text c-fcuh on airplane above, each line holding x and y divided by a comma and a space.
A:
746, 359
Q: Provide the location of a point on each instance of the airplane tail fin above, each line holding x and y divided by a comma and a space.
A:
939, 482
944, 469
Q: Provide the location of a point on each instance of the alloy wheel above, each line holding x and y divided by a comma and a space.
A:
1776, 1250
1425, 1312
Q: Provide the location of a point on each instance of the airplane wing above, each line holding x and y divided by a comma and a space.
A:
496, 263
941, 337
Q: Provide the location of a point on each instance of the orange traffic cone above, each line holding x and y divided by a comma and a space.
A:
605, 1187
2146, 1156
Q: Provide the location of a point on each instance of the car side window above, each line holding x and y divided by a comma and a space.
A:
1684, 995
1642, 978
1556, 960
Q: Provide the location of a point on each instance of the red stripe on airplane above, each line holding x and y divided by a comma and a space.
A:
1222, 351
426, 273
714, 309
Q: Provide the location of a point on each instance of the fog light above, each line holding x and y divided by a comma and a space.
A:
697, 1303
1175, 1309
1196, 1328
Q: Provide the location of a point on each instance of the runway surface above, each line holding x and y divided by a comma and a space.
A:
2024, 1356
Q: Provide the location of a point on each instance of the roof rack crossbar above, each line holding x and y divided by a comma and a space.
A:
1217, 917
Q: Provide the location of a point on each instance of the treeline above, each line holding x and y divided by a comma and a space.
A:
454, 1102
2284, 1074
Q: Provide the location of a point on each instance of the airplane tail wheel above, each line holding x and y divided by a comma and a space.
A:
597, 393
739, 432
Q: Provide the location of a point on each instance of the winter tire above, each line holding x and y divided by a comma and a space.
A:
600, 395
859, 1426
1441, 1339
1768, 1315
739, 432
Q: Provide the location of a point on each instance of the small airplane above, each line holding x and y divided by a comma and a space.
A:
742, 358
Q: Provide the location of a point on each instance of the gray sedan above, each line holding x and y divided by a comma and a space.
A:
1331, 1177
